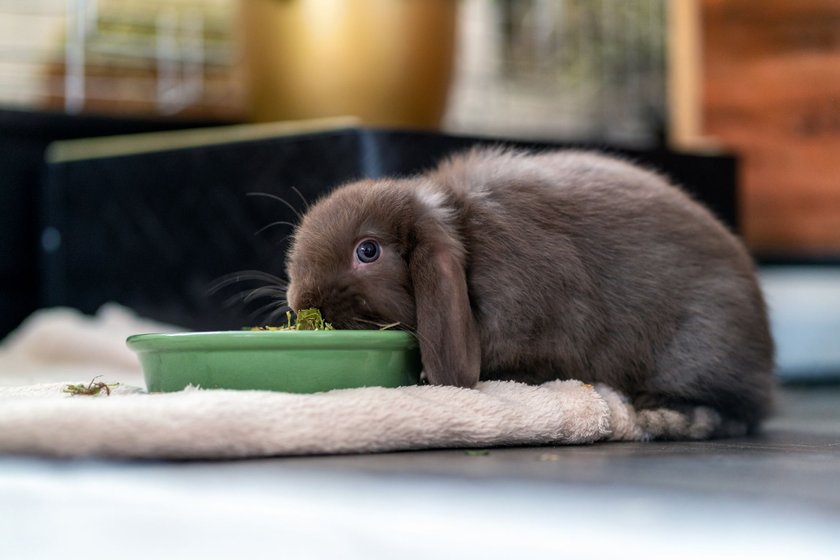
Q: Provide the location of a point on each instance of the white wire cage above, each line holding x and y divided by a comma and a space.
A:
121, 56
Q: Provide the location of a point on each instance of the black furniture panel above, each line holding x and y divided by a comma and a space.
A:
24, 136
155, 231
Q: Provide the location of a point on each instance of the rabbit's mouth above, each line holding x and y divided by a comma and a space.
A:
346, 307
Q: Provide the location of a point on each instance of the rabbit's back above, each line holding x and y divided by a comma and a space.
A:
589, 267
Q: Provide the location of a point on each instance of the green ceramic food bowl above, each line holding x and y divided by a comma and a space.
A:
289, 361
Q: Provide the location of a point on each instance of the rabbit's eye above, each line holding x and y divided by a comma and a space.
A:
368, 251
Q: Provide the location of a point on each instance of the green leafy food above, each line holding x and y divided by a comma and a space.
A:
306, 320
93, 388
311, 320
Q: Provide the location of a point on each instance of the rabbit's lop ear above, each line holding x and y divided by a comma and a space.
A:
446, 329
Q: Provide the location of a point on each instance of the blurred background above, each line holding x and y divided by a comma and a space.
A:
760, 80
749, 91
132, 132
532, 68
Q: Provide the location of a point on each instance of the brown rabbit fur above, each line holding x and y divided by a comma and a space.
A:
531, 267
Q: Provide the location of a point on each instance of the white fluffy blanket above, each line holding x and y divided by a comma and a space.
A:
57, 347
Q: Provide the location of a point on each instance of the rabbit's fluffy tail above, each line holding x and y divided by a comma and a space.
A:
689, 423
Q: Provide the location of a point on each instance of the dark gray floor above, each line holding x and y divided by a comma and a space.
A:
796, 457
776, 495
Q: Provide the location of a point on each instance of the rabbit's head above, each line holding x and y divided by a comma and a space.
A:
382, 252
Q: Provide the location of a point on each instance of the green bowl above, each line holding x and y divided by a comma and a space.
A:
289, 361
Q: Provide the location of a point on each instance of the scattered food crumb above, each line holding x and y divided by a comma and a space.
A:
93, 388
477, 452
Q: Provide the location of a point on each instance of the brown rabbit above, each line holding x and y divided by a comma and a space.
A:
531, 267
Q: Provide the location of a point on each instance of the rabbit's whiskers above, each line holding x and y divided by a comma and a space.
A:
281, 200
274, 289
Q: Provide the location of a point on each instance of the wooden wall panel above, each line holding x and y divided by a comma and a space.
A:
771, 92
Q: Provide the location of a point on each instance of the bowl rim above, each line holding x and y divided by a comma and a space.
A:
209, 341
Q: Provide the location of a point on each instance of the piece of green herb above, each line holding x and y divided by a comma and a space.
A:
93, 388
309, 320
477, 452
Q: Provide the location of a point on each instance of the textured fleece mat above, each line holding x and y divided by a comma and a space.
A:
56, 347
